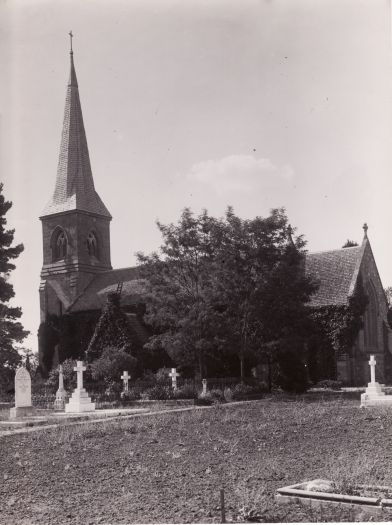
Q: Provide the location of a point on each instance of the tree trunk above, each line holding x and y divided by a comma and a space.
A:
201, 366
269, 375
242, 367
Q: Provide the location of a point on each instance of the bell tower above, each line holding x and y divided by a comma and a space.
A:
75, 222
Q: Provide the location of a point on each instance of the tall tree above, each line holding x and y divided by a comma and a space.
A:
262, 283
214, 288
11, 330
178, 302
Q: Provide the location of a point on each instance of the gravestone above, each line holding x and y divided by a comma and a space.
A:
23, 405
374, 396
61, 393
125, 377
80, 401
173, 374
204, 383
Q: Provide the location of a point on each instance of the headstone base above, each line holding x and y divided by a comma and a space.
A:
374, 396
80, 402
59, 403
20, 412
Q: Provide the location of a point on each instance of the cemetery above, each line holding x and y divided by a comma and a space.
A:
170, 467
271, 458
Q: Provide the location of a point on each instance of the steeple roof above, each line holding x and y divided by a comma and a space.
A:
74, 188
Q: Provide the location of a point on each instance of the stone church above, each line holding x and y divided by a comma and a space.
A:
77, 274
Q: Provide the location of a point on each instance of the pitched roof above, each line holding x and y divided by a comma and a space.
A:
94, 296
74, 189
336, 271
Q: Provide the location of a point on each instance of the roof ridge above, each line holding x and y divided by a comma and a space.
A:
335, 250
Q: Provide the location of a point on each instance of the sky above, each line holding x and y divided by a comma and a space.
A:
256, 104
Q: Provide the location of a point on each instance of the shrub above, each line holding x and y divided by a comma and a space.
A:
204, 399
113, 389
216, 395
132, 395
228, 395
329, 383
162, 375
110, 365
158, 392
185, 392
242, 390
246, 391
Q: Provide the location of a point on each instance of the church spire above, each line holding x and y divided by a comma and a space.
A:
74, 189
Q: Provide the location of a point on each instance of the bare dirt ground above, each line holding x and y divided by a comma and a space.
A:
170, 468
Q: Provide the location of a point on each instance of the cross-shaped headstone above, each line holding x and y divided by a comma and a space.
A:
372, 364
173, 374
204, 382
125, 377
79, 369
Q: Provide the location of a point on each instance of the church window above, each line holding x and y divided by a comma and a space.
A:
60, 246
92, 245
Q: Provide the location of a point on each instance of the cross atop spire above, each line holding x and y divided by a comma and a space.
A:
71, 37
74, 188
365, 229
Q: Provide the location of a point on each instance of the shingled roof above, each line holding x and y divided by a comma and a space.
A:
337, 273
74, 188
94, 296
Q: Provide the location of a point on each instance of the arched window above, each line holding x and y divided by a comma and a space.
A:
92, 244
59, 247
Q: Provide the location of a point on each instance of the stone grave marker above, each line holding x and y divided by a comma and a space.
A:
125, 377
59, 403
174, 374
374, 396
23, 405
80, 400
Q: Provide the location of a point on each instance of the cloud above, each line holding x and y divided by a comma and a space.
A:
240, 173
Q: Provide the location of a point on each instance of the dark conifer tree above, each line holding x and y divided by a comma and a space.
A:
112, 330
11, 330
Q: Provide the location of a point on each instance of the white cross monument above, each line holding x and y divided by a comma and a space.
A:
372, 364
173, 374
80, 401
374, 396
125, 377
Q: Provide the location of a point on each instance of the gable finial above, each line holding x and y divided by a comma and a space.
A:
365, 229
71, 37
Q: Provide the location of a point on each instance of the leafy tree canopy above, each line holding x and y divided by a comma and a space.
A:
220, 286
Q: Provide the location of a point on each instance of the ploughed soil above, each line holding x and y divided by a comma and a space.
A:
170, 467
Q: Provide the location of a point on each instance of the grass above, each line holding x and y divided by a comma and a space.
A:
170, 467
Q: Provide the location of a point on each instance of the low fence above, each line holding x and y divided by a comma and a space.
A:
112, 395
